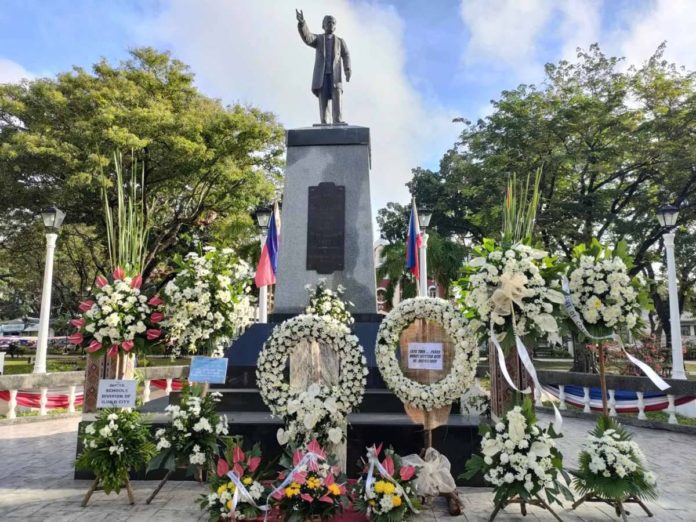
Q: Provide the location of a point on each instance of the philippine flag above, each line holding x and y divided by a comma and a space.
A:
268, 263
414, 241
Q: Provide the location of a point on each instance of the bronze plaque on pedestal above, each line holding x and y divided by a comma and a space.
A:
326, 220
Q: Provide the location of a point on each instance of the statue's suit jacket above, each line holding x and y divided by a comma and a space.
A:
318, 41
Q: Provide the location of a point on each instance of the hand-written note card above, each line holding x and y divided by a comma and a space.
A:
425, 356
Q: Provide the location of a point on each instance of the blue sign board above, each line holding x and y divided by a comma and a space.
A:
208, 369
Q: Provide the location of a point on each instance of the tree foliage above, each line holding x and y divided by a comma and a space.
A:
611, 143
205, 165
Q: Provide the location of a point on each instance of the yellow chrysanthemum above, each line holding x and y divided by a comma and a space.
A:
247, 481
231, 486
334, 489
372, 502
229, 505
396, 500
221, 490
313, 483
291, 492
379, 486
389, 488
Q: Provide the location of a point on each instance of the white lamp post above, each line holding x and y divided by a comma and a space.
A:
53, 219
667, 216
263, 218
424, 216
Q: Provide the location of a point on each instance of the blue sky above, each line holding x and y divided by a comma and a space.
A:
417, 63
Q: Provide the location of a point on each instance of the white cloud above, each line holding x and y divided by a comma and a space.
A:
580, 25
12, 72
670, 20
251, 52
504, 31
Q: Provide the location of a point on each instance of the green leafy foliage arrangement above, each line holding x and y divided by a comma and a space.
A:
193, 437
520, 459
510, 287
224, 502
114, 444
612, 466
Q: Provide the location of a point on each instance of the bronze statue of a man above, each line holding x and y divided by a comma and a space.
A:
327, 80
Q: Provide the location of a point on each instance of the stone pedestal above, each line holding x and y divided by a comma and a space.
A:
327, 160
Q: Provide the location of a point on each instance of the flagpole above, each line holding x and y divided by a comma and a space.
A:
263, 304
423, 265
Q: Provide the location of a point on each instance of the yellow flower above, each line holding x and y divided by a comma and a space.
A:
372, 502
396, 500
229, 505
389, 488
247, 481
292, 490
221, 490
379, 486
313, 482
334, 489
231, 486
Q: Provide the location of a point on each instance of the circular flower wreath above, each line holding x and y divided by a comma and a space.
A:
275, 391
463, 371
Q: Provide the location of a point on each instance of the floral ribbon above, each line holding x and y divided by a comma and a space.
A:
308, 457
575, 317
242, 493
373, 462
511, 291
523, 354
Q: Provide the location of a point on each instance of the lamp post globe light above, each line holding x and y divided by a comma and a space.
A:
53, 219
667, 217
424, 215
263, 218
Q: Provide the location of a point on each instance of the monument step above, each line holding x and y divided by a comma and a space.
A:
249, 399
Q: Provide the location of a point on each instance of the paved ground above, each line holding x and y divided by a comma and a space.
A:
36, 482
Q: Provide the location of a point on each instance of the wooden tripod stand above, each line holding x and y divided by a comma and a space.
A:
95, 486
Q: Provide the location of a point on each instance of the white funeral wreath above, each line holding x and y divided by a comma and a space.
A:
270, 367
463, 371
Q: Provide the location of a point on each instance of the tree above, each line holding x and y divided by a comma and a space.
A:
206, 165
612, 145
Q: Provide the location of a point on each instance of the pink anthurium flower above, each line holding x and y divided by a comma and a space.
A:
85, 305
127, 345
137, 281
315, 447
222, 467
94, 346
113, 351
101, 281
388, 464
119, 273
79, 323
237, 455
307, 498
278, 495
155, 300
157, 317
326, 499
238, 470
329, 480
76, 338
253, 463
297, 457
300, 478
153, 334
406, 472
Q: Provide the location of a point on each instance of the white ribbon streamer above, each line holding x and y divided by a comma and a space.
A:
310, 456
523, 354
373, 462
241, 491
575, 317
503, 366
